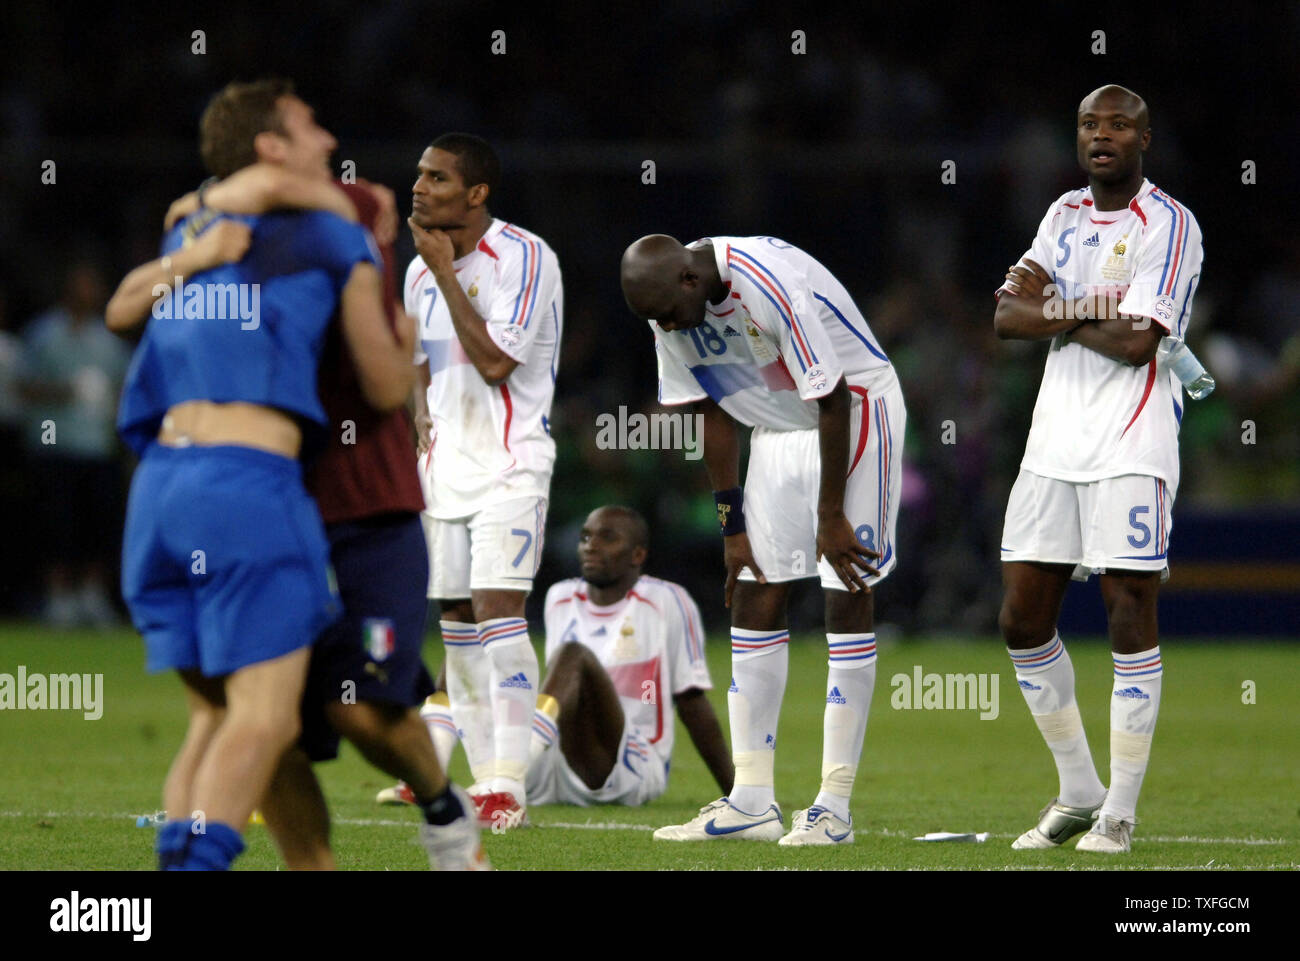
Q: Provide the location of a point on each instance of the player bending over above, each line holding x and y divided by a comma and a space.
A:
1096, 487
754, 330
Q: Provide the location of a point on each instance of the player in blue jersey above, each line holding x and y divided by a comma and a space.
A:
225, 565
753, 330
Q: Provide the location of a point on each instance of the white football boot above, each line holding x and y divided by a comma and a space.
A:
455, 846
720, 821
1056, 825
1108, 836
817, 825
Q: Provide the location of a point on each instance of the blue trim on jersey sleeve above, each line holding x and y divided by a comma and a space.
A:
856, 333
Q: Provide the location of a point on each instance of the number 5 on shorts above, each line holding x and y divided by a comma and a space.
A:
528, 542
1137, 525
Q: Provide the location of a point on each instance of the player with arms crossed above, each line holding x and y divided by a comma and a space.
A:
1097, 482
488, 300
754, 330
225, 565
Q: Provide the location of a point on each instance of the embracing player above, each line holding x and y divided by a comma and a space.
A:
489, 303
1112, 270
754, 330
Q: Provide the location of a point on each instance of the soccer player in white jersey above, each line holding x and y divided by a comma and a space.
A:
622, 651
753, 330
488, 300
1112, 270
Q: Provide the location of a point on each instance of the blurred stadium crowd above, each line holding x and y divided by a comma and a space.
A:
838, 150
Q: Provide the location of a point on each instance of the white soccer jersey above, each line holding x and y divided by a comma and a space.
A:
490, 444
784, 337
1096, 417
651, 643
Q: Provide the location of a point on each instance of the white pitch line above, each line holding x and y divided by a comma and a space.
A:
620, 826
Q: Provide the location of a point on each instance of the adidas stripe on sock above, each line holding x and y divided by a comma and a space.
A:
760, 662
1134, 707
514, 682
469, 674
850, 680
1046, 679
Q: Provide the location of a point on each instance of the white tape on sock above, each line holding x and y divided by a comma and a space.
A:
1060, 726
755, 768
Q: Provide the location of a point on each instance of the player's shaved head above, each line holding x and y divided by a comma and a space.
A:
649, 273
1117, 98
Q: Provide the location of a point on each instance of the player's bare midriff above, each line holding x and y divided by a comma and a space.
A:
208, 424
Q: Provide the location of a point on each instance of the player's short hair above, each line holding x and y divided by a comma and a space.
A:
234, 117
475, 158
639, 529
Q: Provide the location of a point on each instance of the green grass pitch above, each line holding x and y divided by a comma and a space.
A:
1221, 791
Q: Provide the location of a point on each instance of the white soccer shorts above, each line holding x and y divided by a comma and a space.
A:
639, 776
1119, 523
498, 548
784, 480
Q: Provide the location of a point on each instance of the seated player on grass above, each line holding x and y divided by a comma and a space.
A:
622, 649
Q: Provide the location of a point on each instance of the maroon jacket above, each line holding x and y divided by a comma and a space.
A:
376, 474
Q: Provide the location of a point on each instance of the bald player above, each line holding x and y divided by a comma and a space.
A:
752, 330
1112, 270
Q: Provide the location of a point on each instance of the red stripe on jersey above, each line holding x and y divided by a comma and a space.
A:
1179, 241
483, 246
1073, 206
866, 427
418, 276
1096, 221
1133, 206
1087, 202
643, 600
628, 681
1151, 379
510, 411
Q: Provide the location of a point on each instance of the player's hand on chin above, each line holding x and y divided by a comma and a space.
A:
838, 544
738, 554
434, 247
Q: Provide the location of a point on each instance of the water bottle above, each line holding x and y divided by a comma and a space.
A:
1175, 355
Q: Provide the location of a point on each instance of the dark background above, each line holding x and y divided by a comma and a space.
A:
838, 150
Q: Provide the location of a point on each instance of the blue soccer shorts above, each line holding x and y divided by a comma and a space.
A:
224, 560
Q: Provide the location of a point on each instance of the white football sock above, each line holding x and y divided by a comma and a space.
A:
545, 727
514, 682
760, 661
468, 686
850, 680
437, 717
1134, 706
1046, 679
